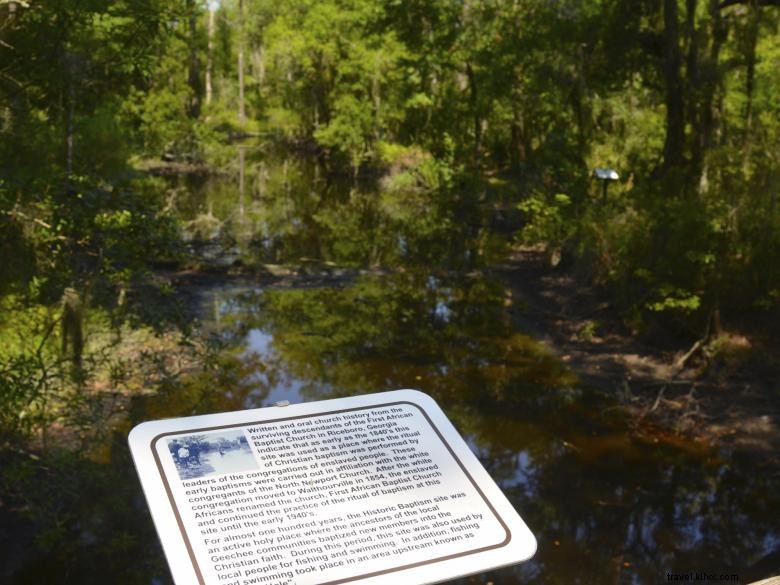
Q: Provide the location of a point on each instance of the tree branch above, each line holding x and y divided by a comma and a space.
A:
14, 213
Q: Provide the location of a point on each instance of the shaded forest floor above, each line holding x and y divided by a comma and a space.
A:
727, 400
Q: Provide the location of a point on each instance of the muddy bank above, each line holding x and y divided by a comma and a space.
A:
725, 402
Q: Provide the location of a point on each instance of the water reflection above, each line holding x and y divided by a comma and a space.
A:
272, 207
607, 506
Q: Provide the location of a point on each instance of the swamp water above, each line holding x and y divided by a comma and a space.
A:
412, 305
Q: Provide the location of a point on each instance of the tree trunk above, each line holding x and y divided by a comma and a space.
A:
72, 324
474, 98
693, 88
750, 73
517, 145
193, 67
258, 63
241, 43
243, 232
210, 57
708, 104
675, 103
241, 100
582, 113
70, 124
241, 181
714, 74
518, 141
70, 113
376, 96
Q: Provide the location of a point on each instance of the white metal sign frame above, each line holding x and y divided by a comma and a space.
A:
507, 542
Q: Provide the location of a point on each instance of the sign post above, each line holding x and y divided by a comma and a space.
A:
368, 490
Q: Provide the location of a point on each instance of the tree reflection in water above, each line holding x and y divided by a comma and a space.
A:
607, 505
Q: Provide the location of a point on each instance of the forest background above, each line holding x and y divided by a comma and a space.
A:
449, 107
513, 102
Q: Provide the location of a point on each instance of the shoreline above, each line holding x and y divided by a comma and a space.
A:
694, 401
700, 401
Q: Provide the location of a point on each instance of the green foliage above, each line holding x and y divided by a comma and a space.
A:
48, 400
103, 140
348, 130
96, 234
431, 122
164, 126
548, 219
588, 331
447, 103
453, 109
675, 299
283, 122
412, 169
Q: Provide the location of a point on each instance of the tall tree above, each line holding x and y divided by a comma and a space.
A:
674, 145
193, 64
241, 52
213, 6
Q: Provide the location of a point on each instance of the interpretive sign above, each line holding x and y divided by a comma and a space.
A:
369, 489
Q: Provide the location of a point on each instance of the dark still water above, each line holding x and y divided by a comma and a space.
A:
272, 207
608, 504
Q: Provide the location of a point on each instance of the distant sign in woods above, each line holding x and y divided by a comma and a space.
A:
365, 489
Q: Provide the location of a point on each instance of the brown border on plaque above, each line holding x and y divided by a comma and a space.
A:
187, 543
